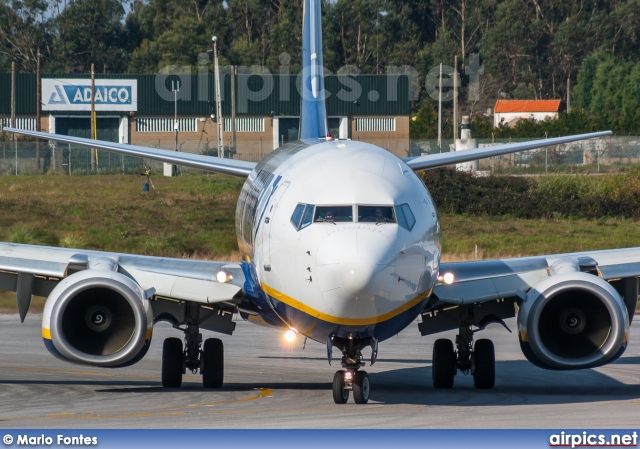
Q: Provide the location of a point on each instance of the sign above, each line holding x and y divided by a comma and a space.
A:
75, 95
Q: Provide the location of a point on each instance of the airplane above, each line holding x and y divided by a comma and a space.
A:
341, 244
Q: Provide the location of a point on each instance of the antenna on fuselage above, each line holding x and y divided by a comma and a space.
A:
313, 111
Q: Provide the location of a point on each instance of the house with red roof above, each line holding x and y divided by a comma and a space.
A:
511, 112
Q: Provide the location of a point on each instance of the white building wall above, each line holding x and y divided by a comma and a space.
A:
506, 117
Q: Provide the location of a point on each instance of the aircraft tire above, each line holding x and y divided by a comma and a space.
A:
340, 395
172, 361
484, 361
443, 365
213, 363
361, 387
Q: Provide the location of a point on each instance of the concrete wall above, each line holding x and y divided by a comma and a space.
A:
396, 141
250, 146
506, 117
205, 138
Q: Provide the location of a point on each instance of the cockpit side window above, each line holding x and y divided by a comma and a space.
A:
405, 216
297, 215
333, 214
307, 217
302, 216
376, 214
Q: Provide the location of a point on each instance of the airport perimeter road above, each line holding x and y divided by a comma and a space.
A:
269, 384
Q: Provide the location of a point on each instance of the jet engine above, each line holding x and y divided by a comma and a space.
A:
573, 321
98, 318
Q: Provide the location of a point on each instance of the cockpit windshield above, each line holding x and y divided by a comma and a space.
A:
333, 214
306, 214
376, 214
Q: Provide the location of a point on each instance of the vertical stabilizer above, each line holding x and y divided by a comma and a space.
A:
313, 111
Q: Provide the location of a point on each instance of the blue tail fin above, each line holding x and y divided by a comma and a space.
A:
313, 111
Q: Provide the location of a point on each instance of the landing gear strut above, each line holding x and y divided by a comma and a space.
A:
176, 359
477, 359
351, 378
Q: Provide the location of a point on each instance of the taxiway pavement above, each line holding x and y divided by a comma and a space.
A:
272, 384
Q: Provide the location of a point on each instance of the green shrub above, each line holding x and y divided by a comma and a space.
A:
592, 197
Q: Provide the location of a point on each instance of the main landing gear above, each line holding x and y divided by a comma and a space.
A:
351, 378
478, 359
208, 358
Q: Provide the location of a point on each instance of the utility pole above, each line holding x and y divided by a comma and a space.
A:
440, 111
218, 99
455, 98
13, 95
233, 108
38, 105
568, 95
93, 117
175, 88
13, 109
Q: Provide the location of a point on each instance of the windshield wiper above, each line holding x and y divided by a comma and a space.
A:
384, 220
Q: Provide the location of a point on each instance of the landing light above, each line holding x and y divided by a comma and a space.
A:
290, 336
223, 277
447, 278
348, 375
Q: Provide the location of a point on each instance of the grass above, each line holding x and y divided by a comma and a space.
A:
498, 237
186, 215
194, 216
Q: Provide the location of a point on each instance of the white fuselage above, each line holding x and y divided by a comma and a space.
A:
354, 277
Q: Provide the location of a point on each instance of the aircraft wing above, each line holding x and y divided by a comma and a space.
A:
455, 157
198, 161
31, 269
488, 280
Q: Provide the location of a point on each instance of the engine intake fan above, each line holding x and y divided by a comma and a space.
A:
98, 317
573, 321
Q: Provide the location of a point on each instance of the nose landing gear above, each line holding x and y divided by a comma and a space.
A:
351, 378
346, 381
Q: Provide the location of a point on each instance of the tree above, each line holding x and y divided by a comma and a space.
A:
90, 31
172, 32
23, 31
356, 24
506, 47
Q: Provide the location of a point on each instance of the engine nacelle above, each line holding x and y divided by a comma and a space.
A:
98, 318
573, 321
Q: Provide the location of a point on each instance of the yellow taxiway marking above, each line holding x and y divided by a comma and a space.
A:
207, 409
157, 413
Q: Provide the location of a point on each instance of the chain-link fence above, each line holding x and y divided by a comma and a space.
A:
609, 154
38, 157
592, 155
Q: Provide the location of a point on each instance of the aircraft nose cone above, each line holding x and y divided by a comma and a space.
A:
357, 274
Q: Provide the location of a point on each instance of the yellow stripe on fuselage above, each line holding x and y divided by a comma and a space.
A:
338, 320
